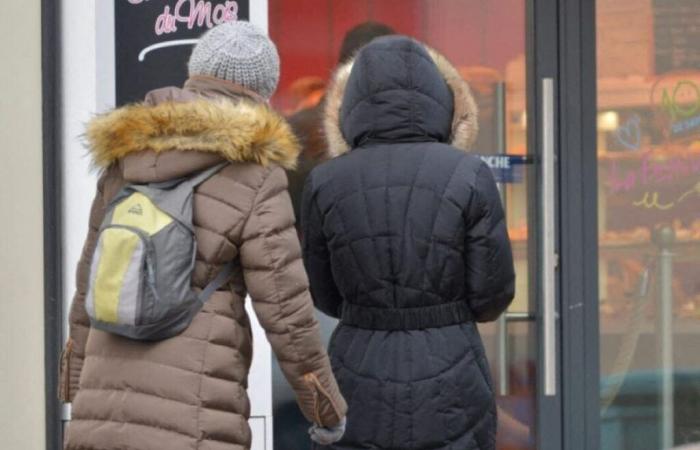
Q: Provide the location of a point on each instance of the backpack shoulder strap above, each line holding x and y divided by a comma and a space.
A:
217, 283
174, 196
203, 176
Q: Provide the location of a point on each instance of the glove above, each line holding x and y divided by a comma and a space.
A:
326, 436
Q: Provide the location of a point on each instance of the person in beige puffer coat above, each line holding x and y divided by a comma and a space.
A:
189, 391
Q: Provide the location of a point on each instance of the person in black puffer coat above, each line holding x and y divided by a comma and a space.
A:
405, 241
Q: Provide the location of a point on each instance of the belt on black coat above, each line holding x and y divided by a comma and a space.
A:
394, 319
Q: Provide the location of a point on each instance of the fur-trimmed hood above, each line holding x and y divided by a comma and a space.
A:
463, 128
184, 126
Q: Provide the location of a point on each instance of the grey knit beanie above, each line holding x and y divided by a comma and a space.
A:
239, 52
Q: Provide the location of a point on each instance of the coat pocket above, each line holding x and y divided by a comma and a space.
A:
64, 393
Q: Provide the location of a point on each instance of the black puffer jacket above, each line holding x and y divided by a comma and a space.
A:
405, 242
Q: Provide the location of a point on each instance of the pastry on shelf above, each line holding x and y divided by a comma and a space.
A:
625, 237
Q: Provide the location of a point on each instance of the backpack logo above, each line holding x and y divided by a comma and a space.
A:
136, 209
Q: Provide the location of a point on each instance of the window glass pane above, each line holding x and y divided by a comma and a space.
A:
649, 222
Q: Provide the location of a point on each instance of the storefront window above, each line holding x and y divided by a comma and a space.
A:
649, 222
485, 40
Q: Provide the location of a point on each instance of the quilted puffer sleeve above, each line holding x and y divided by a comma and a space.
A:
324, 291
277, 283
79, 322
488, 256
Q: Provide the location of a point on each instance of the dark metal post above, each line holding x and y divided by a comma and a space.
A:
53, 309
665, 239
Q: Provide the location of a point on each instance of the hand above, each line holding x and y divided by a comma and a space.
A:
326, 436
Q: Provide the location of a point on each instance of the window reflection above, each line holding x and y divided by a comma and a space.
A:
649, 222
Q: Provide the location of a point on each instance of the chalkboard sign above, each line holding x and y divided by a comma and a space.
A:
154, 39
677, 35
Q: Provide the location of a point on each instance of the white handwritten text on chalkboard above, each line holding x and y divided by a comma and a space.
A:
192, 13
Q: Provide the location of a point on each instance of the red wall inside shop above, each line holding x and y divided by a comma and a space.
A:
309, 33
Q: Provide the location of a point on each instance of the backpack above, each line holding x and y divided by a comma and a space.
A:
141, 271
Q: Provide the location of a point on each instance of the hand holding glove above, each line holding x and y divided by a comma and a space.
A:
326, 436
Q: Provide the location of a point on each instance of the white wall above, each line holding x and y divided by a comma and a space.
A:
21, 230
88, 87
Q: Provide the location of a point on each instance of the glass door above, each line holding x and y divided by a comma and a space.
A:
492, 44
649, 223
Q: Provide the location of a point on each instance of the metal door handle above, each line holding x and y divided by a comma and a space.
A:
549, 256
501, 324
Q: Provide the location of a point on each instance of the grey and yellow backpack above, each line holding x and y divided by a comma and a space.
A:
141, 270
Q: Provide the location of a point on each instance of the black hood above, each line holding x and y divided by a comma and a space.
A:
395, 93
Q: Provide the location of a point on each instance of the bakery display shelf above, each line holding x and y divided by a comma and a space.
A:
657, 153
683, 249
620, 325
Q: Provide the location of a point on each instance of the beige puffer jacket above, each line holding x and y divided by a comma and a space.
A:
189, 392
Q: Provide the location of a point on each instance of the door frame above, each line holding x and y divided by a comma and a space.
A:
579, 381
561, 46
580, 373
542, 62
